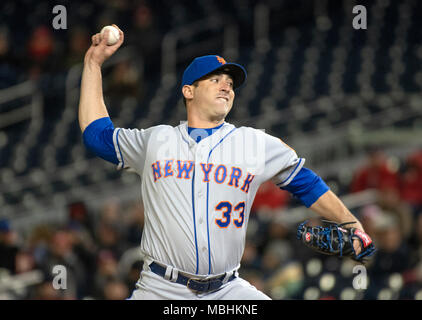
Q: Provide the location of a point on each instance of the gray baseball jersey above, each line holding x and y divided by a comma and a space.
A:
197, 196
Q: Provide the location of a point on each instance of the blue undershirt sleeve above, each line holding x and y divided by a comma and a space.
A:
307, 187
98, 138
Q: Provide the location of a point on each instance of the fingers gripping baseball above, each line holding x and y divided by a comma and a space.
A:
100, 50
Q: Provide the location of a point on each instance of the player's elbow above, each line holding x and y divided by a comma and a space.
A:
307, 187
98, 138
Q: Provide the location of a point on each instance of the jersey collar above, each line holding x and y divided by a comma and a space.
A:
215, 137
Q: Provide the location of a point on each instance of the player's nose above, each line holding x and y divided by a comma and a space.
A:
225, 86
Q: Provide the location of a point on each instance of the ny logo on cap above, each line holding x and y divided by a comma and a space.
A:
221, 60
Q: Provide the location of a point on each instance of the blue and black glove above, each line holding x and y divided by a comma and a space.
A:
335, 239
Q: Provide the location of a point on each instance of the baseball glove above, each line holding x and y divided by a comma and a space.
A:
336, 240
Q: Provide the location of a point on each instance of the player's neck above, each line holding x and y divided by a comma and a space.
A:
196, 122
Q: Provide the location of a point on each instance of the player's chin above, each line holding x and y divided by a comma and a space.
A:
223, 106
222, 114
219, 115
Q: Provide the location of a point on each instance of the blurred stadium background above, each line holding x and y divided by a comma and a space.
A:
347, 100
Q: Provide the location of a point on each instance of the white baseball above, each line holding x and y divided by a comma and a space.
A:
113, 35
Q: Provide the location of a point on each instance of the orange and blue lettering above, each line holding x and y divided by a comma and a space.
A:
235, 176
184, 168
168, 171
206, 168
223, 169
156, 170
247, 183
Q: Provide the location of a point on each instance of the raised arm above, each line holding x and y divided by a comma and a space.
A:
91, 102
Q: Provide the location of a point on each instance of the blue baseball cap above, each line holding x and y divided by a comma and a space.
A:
205, 65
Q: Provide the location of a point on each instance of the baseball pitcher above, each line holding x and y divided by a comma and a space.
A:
199, 180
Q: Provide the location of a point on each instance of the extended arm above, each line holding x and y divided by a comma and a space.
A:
330, 207
312, 191
315, 194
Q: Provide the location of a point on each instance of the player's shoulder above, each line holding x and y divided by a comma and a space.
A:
157, 128
161, 127
262, 135
145, 133
254, 131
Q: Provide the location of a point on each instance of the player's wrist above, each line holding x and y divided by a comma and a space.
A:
92, 64
357, 225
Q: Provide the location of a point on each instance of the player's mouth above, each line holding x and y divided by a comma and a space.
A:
224, 98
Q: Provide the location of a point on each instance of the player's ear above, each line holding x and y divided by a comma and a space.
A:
187, 92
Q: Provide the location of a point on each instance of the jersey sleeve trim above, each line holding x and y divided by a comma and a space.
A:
98, 138
307, 186
297, 168
119, 154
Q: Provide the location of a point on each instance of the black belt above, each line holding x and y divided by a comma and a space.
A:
193, 283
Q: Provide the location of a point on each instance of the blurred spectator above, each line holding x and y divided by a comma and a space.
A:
46, 291
286, 282
115, 290
276, 254
269, 196
282, 273
40, 49
393, 252
368, 215
85, 249
111, 212
388, 203
278, 251
79, 216
389, 200
124, 81
38, 242
78, 44
24, 262
132, 276
108, 237
8, 69
251, 259
255, 278
375, 174
411, 181
8, 246
128, 259
392, 257
61, 253
135, 224
110, 230
4, 43
106, 271
146, 37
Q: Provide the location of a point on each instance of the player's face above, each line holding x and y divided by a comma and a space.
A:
214, 95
